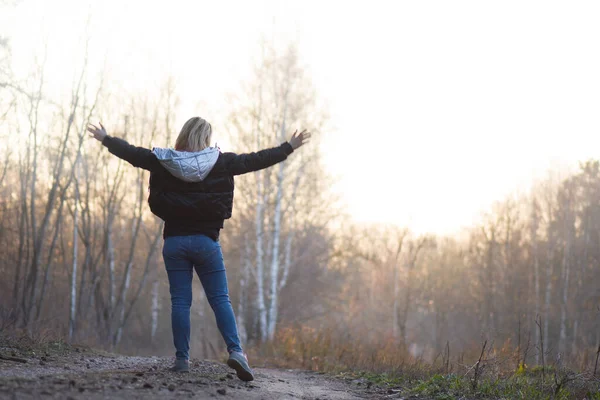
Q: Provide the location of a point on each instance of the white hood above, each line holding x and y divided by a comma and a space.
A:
188, 166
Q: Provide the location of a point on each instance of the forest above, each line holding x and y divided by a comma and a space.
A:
81, 251
81, 258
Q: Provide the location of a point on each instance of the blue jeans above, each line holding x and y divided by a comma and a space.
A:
183, 254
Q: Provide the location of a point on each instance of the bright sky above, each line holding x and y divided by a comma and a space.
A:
439, 108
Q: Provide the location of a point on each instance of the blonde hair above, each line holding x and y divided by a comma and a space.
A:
194, 136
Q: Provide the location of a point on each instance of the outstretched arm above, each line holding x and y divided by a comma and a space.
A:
136, 156
243, 163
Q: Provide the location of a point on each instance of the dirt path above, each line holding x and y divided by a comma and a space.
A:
86, 374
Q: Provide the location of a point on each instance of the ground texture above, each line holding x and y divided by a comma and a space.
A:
83, 373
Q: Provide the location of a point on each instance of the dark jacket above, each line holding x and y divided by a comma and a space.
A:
190, 208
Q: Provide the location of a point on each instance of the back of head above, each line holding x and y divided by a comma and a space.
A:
194, 136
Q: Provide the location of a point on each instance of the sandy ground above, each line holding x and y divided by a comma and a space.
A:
87, 374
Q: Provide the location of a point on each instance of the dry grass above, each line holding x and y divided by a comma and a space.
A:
483, 372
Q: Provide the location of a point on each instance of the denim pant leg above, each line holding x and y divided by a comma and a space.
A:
210, 268
180, 273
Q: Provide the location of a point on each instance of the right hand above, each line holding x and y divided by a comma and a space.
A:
298, 140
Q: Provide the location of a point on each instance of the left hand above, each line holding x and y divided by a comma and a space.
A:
97, 133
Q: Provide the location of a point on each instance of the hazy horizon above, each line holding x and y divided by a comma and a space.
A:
437, 109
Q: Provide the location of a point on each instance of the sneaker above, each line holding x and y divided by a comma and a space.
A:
181, 365
239, 362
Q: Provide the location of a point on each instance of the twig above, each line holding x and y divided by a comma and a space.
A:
448, 357
538, 321
526, 349
477, 367
597, 352
597, 355
565, 378
15, 359
519, 344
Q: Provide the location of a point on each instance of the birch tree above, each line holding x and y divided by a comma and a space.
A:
414, 249
534, 226
396, 280
279, 100
566, 202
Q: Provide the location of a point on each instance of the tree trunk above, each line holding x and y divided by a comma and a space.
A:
23, 236
565, 296
275, 256
574, 341
50, 260
39, 234
536, 274
110, 260
413, 255
243, 295
395, 305
155, 307
125, 289
548, 296
260, 295
566, 267
148, 264
287, 261
73, 308
127, 279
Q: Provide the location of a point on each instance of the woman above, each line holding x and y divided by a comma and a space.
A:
191, 189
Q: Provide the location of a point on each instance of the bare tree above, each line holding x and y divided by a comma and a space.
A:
278, 100
533, 228
414, 249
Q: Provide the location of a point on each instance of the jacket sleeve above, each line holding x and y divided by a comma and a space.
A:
238, 164
136, 156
